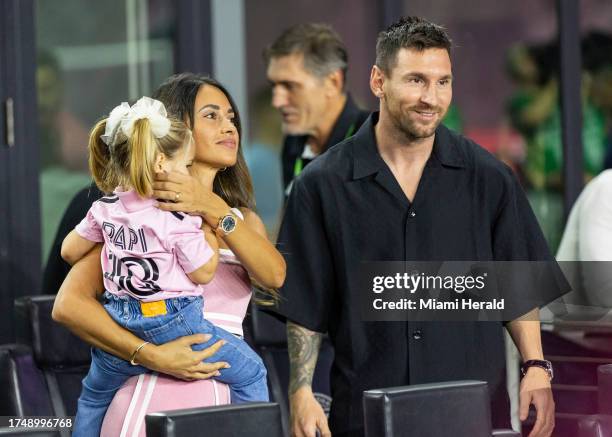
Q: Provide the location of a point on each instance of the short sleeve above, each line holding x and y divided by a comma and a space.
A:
307, 294
516, 233
89, 228
517, 237
188, 242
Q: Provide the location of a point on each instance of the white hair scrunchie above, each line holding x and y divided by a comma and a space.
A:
113, 122
122, 118
154, 111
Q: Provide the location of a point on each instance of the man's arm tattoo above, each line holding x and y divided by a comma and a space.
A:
303, 353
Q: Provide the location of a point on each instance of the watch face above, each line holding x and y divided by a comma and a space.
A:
228, 224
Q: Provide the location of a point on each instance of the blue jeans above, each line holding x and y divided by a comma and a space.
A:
246, 377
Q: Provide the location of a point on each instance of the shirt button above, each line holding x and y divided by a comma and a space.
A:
412, 214
417, 334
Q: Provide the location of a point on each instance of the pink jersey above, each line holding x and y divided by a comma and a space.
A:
147, 252
227, 299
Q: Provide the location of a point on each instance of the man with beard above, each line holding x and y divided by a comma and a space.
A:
307, 66
405, 188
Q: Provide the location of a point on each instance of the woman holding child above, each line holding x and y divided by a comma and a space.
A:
218, 189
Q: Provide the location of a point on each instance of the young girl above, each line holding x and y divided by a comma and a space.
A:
151, 258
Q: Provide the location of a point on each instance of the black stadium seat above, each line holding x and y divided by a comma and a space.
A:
24, 391
600, 425
242, 420
62, 357
27, 432
597, 425
447, 409
604, 389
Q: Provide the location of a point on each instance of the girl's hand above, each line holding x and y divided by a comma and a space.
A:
187, 194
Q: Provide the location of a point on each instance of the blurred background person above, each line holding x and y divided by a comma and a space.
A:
597, 59
534, 110
588, 232
588, 237
63, 146
307, 66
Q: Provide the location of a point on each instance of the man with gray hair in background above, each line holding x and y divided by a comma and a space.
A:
306, 66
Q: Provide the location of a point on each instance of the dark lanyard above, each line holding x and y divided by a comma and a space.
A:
299, 163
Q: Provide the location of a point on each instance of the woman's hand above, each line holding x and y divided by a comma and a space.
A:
187, 194
176, 358
248, 241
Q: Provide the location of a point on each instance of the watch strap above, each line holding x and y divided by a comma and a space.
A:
542, 364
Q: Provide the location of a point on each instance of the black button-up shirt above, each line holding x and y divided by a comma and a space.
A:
347, 207
350, 120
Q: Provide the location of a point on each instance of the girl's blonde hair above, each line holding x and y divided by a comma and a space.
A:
130, 163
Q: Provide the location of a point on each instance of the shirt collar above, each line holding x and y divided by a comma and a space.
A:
132, 201
446, 149
348, 117
367, 159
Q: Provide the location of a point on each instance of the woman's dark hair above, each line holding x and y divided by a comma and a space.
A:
178, 93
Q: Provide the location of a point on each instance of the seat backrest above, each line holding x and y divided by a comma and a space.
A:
238, 420
265, 328
62, 357
24, 391
269, 338
27, 432
53, 345
505, 433
604, 388
598, 425
447, 409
